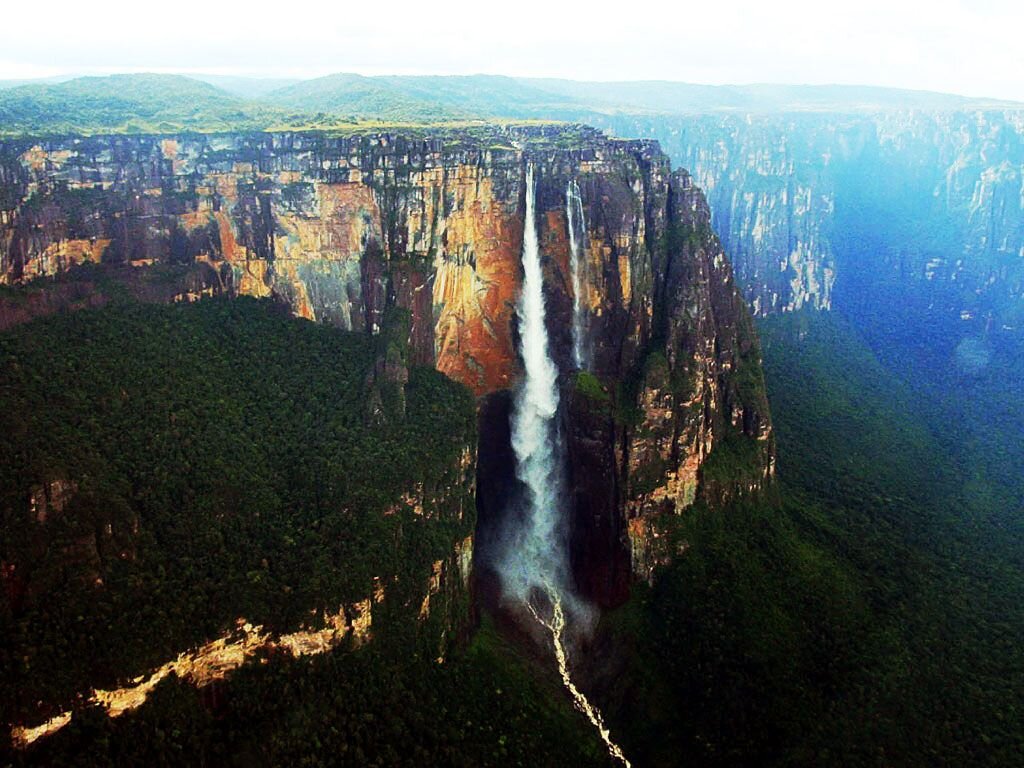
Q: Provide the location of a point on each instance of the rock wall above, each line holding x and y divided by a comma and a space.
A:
641, 435
344, 228
856, 209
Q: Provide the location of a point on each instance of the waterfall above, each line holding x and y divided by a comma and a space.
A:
577, 263
535, 564
537, 557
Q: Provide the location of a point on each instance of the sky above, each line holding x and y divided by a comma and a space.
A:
971, 48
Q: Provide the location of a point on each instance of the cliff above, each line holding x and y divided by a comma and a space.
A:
855, 211
343, 228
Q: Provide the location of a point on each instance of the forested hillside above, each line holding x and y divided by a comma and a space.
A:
866, 615
223, 460
168, 470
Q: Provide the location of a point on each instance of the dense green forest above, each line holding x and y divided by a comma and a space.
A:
866, 612
227, 461
869, 613
244, 460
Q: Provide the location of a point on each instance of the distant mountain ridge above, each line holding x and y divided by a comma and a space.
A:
153, 103
791, 171
138, 103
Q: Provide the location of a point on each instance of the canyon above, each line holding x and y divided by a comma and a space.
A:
701, 610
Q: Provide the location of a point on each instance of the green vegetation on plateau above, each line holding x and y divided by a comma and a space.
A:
125, 104
151, 103
169, 104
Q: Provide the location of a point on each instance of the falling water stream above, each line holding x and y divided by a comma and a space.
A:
535, 557
557, 628
574, 218
536, 564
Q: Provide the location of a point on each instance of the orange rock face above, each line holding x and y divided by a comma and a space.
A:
328, 248
476, 278
64, 254
338, 239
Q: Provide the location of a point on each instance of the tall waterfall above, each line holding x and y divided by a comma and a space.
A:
577, 264
535, 565
537, 558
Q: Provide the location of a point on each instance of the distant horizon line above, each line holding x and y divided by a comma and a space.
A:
206, 75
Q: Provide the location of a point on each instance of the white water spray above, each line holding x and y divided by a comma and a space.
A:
535, 561
577, 264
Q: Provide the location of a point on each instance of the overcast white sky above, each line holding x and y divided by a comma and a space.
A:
973, 48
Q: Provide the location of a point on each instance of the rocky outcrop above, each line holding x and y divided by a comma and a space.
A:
338, 228
348, 229
772, 200
674, 366
641, 435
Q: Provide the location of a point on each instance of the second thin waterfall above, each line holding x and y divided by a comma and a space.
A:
577, 265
